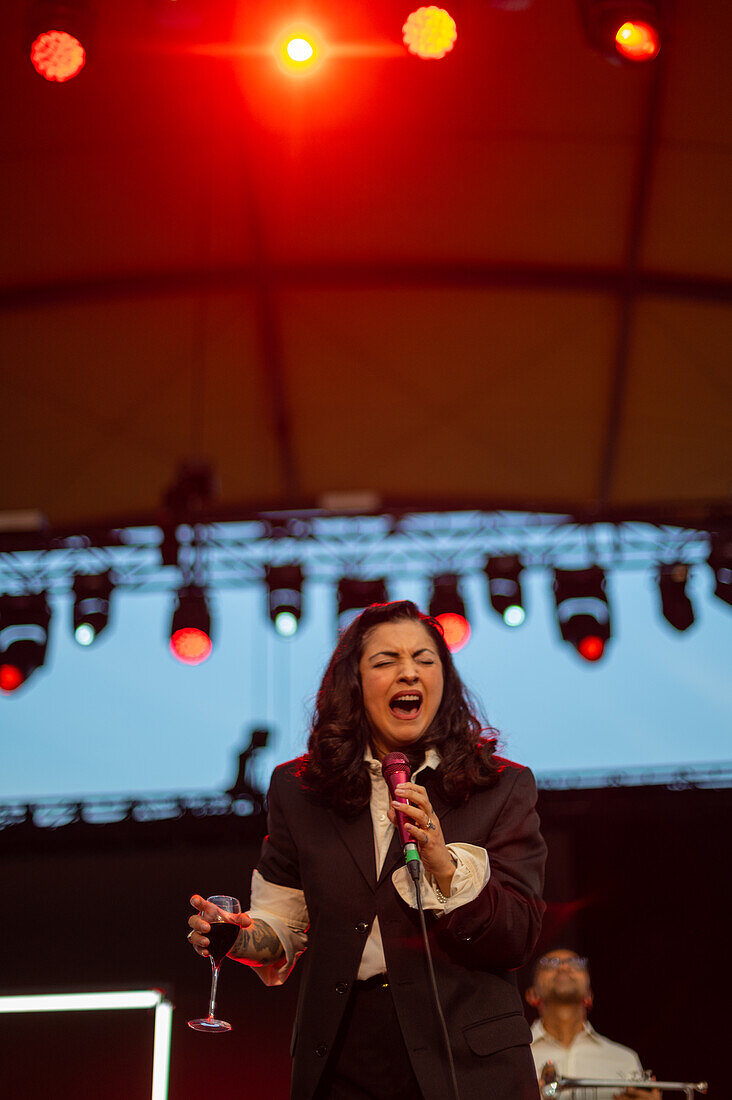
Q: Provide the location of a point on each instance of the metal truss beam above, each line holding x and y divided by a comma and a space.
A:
414, 545
100, 810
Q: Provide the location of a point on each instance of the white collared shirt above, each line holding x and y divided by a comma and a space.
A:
285, 911
588, 1055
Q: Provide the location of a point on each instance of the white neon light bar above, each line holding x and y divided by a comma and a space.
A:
81, 1002
125, 999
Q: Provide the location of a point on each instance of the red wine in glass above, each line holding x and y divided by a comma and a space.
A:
221, 939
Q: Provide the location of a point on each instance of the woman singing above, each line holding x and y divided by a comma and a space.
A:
331, 881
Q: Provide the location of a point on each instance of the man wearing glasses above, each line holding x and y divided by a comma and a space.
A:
561, 994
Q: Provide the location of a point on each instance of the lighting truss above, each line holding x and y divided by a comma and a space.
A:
96, 812
328, 547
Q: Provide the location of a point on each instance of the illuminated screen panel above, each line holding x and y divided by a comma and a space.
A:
89, 1041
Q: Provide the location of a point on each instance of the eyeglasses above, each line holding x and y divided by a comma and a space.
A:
575, 962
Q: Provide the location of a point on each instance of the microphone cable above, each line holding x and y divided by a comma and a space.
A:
395, 768
433, 981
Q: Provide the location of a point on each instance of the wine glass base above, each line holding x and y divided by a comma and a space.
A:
209, 1025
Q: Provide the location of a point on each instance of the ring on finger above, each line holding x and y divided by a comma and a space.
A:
430, 823
188, 937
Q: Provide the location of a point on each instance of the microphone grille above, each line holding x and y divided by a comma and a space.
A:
395, 761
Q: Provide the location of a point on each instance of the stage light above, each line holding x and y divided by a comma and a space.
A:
447, 606
354, 595
429, 33
720, 562
10, 678
675, 604
583, 611
284, 585
92, 594
624, 30
58, 35
637, 41
57, 56
298, 50
24, 622
190, 631
504, 588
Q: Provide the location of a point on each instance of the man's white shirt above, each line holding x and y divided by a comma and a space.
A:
588, 1055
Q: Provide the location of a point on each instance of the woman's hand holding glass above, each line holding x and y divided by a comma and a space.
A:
200, 923
214, 931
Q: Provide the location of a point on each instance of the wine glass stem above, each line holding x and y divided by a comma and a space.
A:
214, 983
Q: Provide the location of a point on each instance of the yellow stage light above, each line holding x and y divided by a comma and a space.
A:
298, 50
429, 33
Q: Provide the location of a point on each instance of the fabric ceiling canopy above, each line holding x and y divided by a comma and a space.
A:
502, 279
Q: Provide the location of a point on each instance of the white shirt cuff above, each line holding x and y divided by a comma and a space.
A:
471, 875
284, 910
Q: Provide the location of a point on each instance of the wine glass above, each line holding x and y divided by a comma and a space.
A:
221, 939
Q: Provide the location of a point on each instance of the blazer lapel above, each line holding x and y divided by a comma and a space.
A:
358, 836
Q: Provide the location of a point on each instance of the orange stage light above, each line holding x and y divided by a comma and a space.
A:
57, 55
190, 645
456, 629
637, 41
429, 33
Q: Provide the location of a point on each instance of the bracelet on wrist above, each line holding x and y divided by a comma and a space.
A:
440, 896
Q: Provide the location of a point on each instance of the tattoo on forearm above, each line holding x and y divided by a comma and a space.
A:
257, 945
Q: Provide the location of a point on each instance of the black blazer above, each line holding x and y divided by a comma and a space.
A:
474, 948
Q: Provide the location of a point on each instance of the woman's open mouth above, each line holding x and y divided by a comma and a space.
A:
406, 704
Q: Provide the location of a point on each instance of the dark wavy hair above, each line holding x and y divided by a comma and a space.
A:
334, 769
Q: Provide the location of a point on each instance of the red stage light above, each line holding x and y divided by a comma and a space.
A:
299, 49
190, 645
456, 629
591, 647
57, 55
429, 33
637, 41
10, 678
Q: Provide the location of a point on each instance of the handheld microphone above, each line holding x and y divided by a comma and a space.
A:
396, 769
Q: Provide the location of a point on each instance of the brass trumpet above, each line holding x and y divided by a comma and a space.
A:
558, 1085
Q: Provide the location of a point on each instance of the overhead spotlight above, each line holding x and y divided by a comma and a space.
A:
504, 589
299, 49
720, 562
24, 622
429, 33
58, 34
190, 631
284, 597
624, 30
447, 606
354, 595
583, 611
92, 594
637, 41
675, 604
